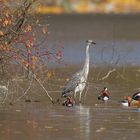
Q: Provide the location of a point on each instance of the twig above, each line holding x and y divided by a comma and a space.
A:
59, 91
35, 77
108, 74
43, 88
123, 77
6, 93
26, 91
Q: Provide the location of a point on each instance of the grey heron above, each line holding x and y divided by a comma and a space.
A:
78, 81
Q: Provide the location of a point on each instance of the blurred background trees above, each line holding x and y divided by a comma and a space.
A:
23, 55
20, 43
89, 6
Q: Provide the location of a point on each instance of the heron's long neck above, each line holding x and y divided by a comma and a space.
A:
86, 65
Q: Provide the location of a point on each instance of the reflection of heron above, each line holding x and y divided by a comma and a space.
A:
84, 122
78, 81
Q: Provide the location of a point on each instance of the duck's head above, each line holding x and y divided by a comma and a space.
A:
105, 88
129, 100
69, 98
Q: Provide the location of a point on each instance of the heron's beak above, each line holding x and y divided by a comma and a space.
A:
93, 42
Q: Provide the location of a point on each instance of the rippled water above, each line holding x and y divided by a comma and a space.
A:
79, 122
93, 119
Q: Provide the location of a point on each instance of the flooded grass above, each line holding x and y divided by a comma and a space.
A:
82, 122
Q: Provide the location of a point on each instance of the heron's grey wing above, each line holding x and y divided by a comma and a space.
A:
72, 83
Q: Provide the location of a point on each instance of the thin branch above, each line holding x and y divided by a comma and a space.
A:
43, 88
35, 77
25, 92
108, 74
6, 93
123, 77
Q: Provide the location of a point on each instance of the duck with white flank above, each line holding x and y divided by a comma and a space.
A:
104, 95
68, 102
133, 101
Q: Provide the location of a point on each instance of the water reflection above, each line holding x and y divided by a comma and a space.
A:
83, 113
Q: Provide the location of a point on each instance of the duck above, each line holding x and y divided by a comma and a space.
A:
68, 102
104, 95
124, 102
136, 96
130, 102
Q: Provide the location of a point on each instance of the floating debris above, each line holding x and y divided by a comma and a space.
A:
3, 89
37, 101
100, 129
28, 100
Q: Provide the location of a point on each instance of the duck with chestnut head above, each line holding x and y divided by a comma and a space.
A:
130, 102
68, 102
104, 95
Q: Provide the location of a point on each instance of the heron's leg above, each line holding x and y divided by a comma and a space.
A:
80, 96
87, 86
74, 95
